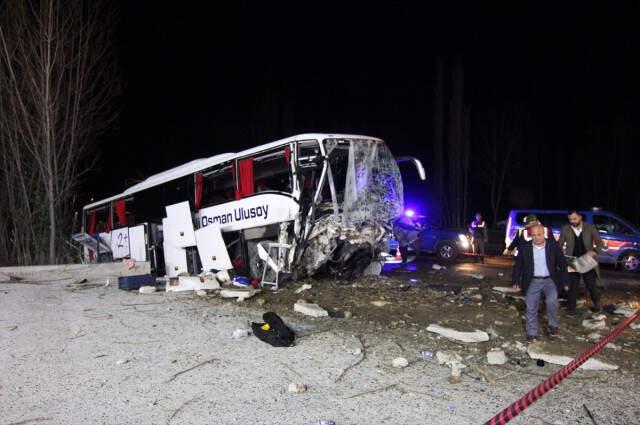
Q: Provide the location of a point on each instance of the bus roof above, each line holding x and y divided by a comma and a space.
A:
204, 163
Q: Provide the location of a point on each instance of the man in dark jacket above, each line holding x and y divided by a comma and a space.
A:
580, 238
540, 268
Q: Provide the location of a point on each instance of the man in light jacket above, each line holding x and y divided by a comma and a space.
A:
577, 239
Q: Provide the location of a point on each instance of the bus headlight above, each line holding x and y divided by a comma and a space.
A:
464, 241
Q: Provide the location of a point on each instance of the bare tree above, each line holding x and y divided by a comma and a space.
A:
498, 155
57, 89
438, 138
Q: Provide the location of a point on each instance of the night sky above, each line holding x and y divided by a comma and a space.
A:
205, 80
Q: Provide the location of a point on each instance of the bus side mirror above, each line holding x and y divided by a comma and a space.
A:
416, 162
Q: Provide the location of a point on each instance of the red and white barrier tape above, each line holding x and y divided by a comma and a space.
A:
532, 396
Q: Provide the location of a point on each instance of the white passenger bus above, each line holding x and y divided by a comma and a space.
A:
313, 202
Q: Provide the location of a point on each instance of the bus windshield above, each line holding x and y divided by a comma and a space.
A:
367, 181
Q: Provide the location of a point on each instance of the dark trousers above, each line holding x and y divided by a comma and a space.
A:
589, 281
478, 248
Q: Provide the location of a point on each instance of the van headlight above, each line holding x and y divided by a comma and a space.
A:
464, 240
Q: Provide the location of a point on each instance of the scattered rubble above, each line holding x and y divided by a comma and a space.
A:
303, 288
240, 333
496, 357
192, 283
147, 289
537, 352
201, 293
505, 289
297, 388
400, 362
476, 336
624, 310
380, 303
240, 294
313, 310
594, 324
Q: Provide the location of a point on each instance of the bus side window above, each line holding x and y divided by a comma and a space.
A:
217, 186
271, 171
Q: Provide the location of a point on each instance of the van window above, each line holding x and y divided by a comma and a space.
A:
556, 220
607, 224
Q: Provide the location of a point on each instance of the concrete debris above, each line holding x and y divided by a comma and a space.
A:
297, 388
635, 326
496, 356
4, 278
624, 310
476, 297
594, 336
448, 357
223, 276
303, 288
599, 317
594, 324
379, 303
438, 267
400, 362
477, 276
147, 289
261, 301
313, 310
192, 283
201, 293
536, 351
613, 346
129, 263
122, 361
240, 294
505, 289
355, 351
475, 336
348, 315
240, 333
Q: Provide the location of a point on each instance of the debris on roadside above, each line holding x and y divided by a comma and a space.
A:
496, 356
303, 288
273, 331
400, 362
472, 337
297, 388
537, 352
240, 294
594, 324
380, 303
313, 310
240, 333
147, 289
505, 289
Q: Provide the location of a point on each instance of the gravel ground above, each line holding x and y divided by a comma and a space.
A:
90, 354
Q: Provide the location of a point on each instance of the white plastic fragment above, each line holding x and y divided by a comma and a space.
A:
400, 362
147, 289
303, 288
496, 356
313, 310
475, 336
297, 387
536, 351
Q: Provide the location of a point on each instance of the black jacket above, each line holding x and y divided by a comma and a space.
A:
556, 263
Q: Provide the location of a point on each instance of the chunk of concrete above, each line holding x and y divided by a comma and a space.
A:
380, 303
240, 333
448, 357
240, 294
192, 283
538, 352
400, 362
505, 289
496, 356
303, 288
313, 310
624, 310
297, 387
594, 324
147, 289
475, 336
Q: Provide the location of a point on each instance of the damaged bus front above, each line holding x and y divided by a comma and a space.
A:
309, 204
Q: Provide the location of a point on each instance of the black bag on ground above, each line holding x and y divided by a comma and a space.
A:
278, 334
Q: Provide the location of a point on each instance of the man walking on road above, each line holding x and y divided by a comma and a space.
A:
540, 268
577, 239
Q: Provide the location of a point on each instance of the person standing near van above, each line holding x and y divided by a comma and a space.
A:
478, 229
580, 238
540, 268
